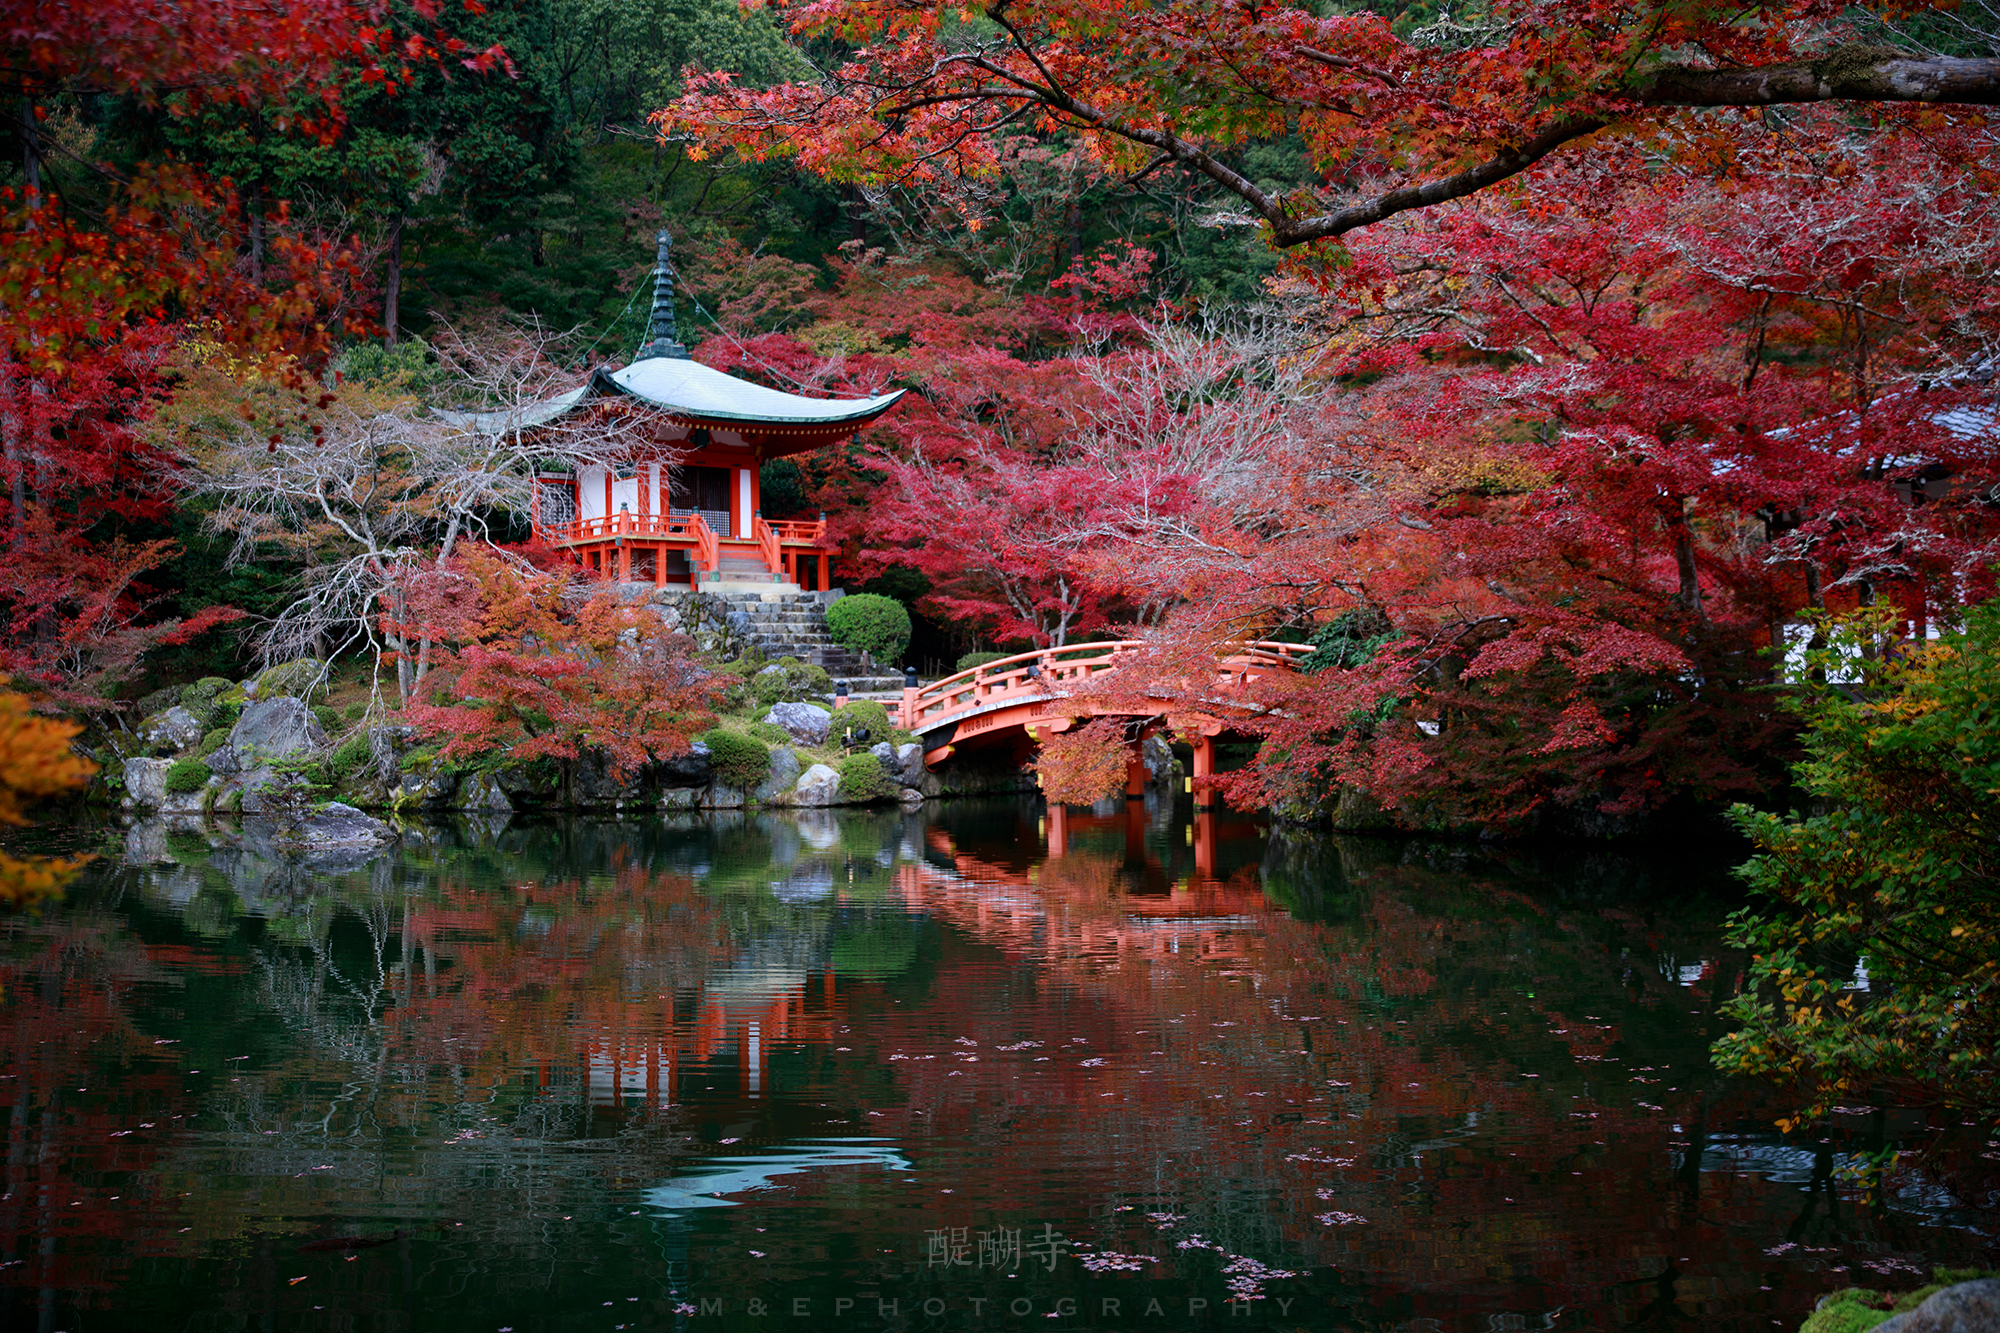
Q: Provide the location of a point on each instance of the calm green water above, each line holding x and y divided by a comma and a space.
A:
877, 1071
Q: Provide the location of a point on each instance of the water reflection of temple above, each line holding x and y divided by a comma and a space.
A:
1109, 886
647, 1054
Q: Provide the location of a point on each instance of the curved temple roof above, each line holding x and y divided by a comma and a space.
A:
688, 388
663, 376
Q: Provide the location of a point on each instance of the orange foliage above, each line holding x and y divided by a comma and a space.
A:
1085, 765
36, 762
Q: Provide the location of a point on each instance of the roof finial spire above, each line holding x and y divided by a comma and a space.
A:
662, 339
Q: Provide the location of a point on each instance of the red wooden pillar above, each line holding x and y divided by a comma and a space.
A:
1058, 830
1204, 770
823, 583
1135, 772
1204, 844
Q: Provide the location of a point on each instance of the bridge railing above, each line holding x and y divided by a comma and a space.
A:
1056, 671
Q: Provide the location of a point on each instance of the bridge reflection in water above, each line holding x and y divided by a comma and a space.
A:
639, 1054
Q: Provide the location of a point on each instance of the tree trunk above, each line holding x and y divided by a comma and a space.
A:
31, 150
392, 286
254, 201
1690, 593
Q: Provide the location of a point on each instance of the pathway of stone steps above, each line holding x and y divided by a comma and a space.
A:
793, 624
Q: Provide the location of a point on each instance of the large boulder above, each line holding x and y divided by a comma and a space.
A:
909, 768
386, 746
778, 782
592, 783
482, 791
1967, 1307
146, 783
819, 786
204, 698
806, 723
692, 769
537, 782
297, 678
171, 731
427, 784
274, 730
337, 825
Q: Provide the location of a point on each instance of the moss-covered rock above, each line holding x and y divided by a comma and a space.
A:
789, 680
187, 775
299, 679
862, 780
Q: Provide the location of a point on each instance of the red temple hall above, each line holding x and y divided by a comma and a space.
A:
692, 514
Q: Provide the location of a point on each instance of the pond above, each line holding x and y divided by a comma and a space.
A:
961, 1068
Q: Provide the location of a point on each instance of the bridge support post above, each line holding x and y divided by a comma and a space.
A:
1135, 774
1204, 845
1204, 771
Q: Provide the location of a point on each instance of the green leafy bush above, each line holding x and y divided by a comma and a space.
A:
858, 715
1895, 873
737, 760
971, 660
789, 680
862, 779
1349, 640
187, 775
866, 623
769, 732
348, 759
355, 712
329, 721
212, 742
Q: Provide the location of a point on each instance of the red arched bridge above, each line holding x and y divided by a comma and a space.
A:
1012, 702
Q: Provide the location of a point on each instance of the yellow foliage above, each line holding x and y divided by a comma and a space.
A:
36, 762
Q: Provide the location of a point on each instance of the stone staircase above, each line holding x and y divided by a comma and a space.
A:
745, 569
793, 624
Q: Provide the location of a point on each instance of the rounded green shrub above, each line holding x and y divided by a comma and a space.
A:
212, 742
737, 760
858, 715
329, 721
971, 660
187, 775
862, 779
867, 623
